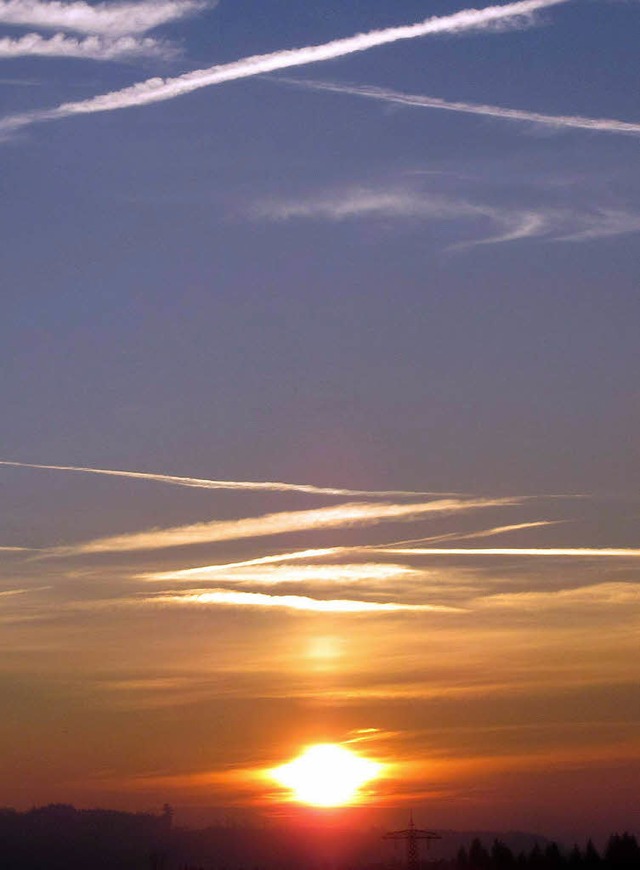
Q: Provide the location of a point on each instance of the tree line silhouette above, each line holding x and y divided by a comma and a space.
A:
621, 852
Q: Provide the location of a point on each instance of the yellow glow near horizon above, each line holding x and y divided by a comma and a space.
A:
327, 775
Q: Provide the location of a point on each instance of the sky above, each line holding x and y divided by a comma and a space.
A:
319, 390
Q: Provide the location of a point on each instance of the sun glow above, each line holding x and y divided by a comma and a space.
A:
327, 775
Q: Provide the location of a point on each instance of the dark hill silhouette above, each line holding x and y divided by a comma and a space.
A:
60, 837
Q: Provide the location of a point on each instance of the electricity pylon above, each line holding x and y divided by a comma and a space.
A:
412, 835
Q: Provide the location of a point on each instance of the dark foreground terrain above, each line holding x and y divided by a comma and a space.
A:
60, 837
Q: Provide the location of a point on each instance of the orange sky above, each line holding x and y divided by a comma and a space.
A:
501, 690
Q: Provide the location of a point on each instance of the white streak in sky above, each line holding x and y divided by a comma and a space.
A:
274, 575
242, 485
108, 19
599, 595
206, 572
213, 572
158, 89
545, 223
89, 48
482, 533
356, 202
385, 203
293, 602
287, 522
385, 95
569, 552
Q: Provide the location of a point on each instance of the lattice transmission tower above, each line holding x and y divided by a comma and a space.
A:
412, 837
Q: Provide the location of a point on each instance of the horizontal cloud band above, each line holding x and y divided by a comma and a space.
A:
90, 48
295, 602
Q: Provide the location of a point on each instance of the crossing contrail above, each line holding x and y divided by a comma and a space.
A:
157, 90
385, 95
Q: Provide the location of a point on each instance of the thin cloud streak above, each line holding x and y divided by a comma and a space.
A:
10, 593
569, 552
90, 48
386, 95
356, 202
599, 595
273, 575
356, 571
287, 522
550, 224
294, 602
483, 533
243, 485
158, 89
107, 19
210, 571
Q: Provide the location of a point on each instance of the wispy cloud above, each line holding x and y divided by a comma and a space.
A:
561, 552
241, 485
89, 48
294, 602
386, 95
107, 19
548, 223
285, 567
482, 533
598, 595
403, 204
158, 89
356, 202
274, 575
11, 593
287, 522
207, 572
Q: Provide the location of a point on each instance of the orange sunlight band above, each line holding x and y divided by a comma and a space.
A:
295, 602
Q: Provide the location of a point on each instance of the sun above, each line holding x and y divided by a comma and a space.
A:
327, 775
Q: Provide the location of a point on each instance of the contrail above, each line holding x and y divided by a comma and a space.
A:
576, 122
296, 556
244, 485
287, 522
207, 571
575, 552
483, 533
158, 89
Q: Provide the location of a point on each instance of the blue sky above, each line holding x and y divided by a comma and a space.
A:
150, 263
318, 275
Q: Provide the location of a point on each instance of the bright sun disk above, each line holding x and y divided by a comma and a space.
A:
327, 775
